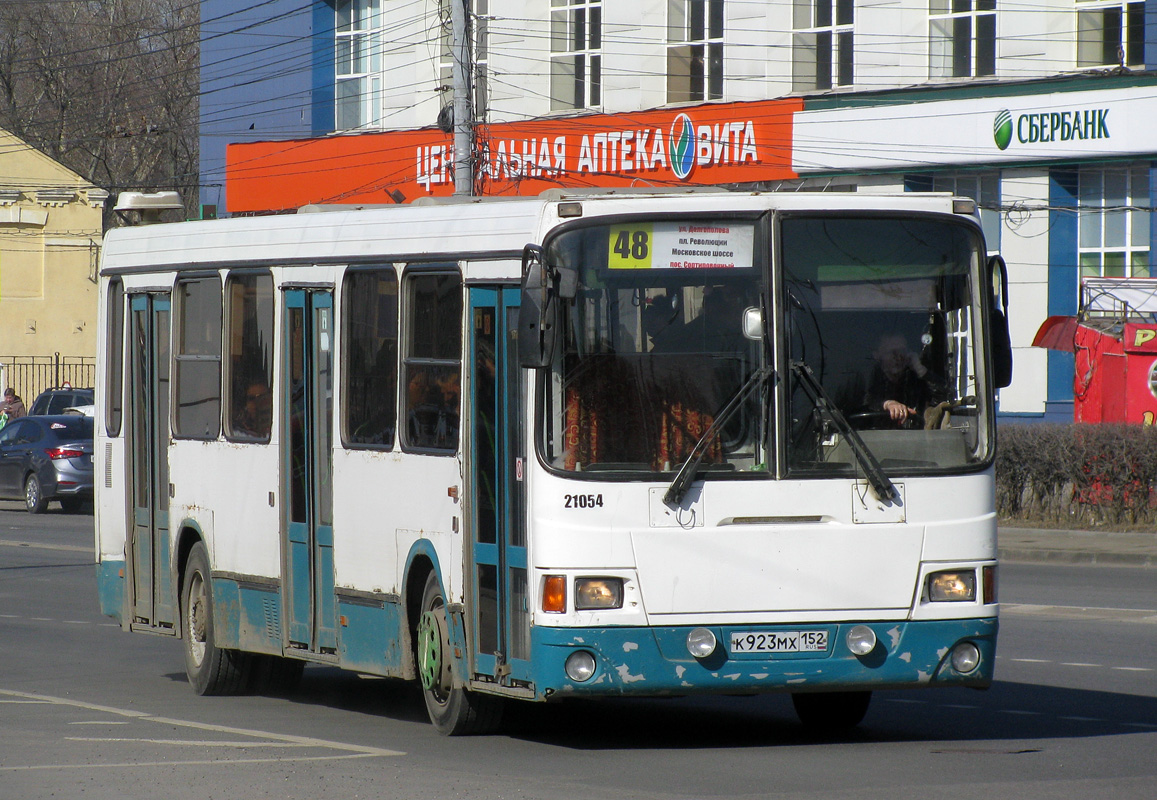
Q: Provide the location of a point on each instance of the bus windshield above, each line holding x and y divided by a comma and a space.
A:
885, 314
882, 310
654, 348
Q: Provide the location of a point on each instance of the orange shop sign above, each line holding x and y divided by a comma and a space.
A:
705, 145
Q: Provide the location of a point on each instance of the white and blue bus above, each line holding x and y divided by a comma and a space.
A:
570, 446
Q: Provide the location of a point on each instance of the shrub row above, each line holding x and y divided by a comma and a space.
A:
1077, 475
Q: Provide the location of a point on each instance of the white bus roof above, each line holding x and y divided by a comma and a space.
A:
449, 228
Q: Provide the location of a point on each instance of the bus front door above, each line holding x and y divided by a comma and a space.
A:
151, 582
307, 453
500, 616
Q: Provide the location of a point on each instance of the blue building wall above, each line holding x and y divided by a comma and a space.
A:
259, 65
1064, 286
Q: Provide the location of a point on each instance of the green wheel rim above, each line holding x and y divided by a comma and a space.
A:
429, 651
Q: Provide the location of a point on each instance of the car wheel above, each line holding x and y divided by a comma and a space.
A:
211, 670
34, 499
454, 710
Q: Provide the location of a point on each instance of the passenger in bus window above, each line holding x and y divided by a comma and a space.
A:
900, 386
256, 417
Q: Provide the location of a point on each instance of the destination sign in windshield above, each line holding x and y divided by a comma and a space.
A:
683, 244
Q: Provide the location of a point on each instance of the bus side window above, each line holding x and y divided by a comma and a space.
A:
433, 361
250, 335
114, 355
370, 348
197, 359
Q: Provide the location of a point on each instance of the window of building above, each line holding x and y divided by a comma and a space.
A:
694, 50
478, 31
114, 358
433, 361
1110, 34
821, 50
358, 59
962, 38
983, 187
576, 40
370, 348
250, 337
197, 359
1113, 233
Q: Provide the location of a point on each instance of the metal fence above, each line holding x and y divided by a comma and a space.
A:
31, 375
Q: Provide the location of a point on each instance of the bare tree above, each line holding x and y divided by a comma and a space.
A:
109, 88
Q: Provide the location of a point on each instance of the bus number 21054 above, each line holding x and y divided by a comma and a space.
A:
582, 501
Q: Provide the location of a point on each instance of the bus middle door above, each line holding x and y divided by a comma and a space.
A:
500, 614
307, 453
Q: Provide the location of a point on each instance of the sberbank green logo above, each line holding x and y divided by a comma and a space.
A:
1002, 129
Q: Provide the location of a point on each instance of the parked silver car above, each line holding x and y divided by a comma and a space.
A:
47, 458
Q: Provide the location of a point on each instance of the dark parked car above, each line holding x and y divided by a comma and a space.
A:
55, 401
47, 458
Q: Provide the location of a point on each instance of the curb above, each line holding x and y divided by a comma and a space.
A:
1046, 556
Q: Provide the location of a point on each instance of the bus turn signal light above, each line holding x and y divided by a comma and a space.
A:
554, 594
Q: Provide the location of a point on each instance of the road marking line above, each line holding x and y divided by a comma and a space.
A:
309, 741
214, 762
1138, 615
1078, 664
1032, 660
182, 742
1018, 712
1133, 669
97, 722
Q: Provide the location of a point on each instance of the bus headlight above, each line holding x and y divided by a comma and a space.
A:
965, 657
701, 642
580, 666
592, 593
861, 640
953, 586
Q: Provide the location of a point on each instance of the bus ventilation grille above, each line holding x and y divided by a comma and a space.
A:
272, 620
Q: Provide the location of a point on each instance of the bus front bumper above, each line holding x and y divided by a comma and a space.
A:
656, 661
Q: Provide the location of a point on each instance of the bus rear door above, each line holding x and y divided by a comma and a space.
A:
151, 586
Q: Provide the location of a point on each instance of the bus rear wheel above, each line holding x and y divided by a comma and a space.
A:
211, 670
454, 710
831, 712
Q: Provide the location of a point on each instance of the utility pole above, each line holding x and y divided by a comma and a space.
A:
463, 108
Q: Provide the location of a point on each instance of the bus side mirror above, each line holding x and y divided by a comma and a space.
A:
753, 324
536, 312
998, 324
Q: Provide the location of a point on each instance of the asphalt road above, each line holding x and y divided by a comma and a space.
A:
88, 711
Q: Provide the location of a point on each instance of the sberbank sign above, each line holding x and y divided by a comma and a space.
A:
1050, 126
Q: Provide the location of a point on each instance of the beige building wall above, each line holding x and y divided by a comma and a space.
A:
50, 234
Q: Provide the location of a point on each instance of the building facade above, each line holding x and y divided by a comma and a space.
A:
50, 235
1041, 111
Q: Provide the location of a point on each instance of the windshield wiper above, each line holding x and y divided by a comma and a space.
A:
686, 475
880, 482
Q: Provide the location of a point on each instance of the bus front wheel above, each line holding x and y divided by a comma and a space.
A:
831, 712
211, 670
453, 710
